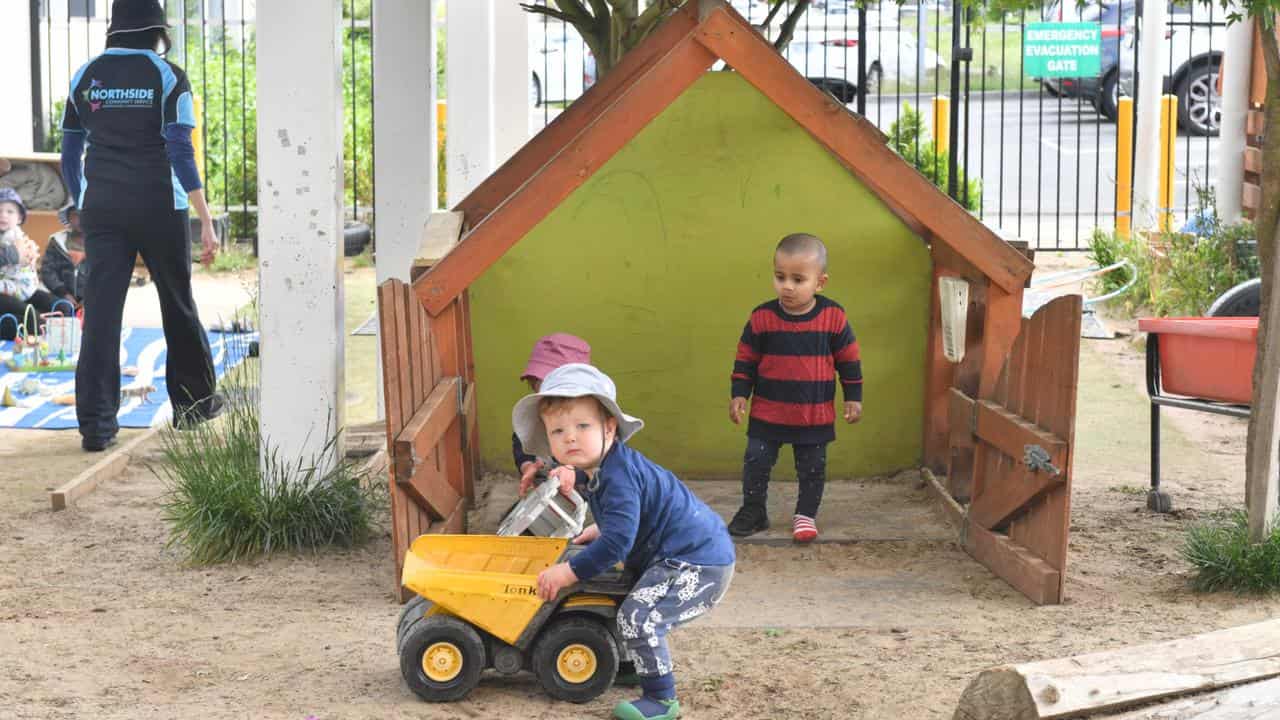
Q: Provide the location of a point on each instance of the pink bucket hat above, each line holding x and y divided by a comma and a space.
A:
552, 351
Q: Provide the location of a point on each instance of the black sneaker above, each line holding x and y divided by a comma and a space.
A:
97, 444
749, 520
203, 411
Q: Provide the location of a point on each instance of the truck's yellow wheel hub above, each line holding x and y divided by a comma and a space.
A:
442, 661
576, 663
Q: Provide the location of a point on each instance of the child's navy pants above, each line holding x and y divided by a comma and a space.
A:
811, 472
669, 593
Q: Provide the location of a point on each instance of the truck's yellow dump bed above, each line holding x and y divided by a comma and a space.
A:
487, 580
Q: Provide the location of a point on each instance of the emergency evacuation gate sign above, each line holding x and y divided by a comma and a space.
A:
1062, 50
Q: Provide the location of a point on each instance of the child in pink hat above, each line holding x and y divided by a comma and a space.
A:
550, 352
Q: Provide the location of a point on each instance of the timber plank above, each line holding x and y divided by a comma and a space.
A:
951, 509
112, 466
568, 168
937, 424
439, 235
1010, 433
445, 338
1255, 122
1253, 160
858, 145
1008, 493
427, 427
391, 297
961, 416
466, 368
1013, 563
1114, 679
1254, 701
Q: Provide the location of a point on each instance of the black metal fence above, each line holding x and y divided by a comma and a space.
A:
1034, 158
213, 40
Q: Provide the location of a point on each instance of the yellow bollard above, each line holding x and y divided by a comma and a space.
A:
1124, 167
942, 124
197, 137
1168, 140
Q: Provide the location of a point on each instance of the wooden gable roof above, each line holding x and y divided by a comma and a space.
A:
516, 197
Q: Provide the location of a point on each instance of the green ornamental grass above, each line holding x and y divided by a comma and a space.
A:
223, 505
1225, 559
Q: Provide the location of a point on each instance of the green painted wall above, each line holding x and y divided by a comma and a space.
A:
658, 260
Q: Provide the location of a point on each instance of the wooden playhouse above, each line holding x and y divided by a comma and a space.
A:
644, 217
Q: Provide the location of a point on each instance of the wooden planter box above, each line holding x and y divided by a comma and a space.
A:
1210, 358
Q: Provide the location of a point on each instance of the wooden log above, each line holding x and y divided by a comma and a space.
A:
1088, 684
112, 466
439, 235
951, 509
1254, 701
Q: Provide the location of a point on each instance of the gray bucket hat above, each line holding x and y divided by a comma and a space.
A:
572, 380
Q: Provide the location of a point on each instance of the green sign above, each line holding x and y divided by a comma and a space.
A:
1062, 50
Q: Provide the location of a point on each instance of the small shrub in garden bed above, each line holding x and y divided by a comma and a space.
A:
223, 505
1179, 274
1225, 559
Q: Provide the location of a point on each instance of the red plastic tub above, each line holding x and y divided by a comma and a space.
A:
1206, 357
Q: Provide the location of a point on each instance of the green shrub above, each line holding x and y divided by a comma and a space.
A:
1179, 274
232, 260
910, 139
224, 504
1225, 559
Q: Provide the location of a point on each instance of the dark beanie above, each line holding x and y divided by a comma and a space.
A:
134, 15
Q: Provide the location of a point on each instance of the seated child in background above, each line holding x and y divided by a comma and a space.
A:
790, 352
19, 282
62, 269
645, 517
550, 352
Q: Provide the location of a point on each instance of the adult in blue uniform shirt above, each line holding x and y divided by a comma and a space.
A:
129, 117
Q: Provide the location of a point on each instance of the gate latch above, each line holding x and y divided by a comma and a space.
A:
1037, 458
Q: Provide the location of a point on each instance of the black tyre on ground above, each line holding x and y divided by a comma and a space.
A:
412, 611
1108, 99
1199, 105
575, 659
441, 658
1243, 300
355, 235
535, 90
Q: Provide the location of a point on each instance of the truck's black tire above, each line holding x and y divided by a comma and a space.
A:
448, 636
412, 611
562, 646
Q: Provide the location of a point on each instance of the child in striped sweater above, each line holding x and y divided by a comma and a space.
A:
791, 351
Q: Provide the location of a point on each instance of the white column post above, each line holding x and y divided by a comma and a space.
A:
300, 179
404, 137
15, 58
1237, 64
511, 79
1146, 167
470, 118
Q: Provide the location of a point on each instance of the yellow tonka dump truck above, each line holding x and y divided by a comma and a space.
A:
478, 608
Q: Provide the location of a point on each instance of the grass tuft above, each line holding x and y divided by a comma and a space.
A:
232, 260
223, 505
1225, 559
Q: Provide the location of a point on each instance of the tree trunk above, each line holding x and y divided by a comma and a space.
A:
1263, 454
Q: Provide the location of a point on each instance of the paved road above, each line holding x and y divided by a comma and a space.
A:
1048, 166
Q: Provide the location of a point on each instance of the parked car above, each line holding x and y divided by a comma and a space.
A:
562, 67
831, 61
1195, 54
1101, 90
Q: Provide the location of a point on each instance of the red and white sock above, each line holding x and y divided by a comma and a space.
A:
803, 528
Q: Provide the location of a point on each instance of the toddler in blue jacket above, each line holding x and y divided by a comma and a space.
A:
645, 518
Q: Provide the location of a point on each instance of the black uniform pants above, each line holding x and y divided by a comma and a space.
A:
113, 239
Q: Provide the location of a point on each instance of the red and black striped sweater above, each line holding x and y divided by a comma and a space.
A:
790, 363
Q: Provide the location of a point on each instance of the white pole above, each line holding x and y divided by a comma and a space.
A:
469, 80
1236, 69
300, 178
511, 79
404, 138
1146, 168
15, 57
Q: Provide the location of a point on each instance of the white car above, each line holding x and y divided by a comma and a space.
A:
832, 62
561, 66
1196, 48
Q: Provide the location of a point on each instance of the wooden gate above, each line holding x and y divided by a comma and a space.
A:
1018, 520
430, 405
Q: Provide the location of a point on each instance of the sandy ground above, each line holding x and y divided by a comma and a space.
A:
98, 619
